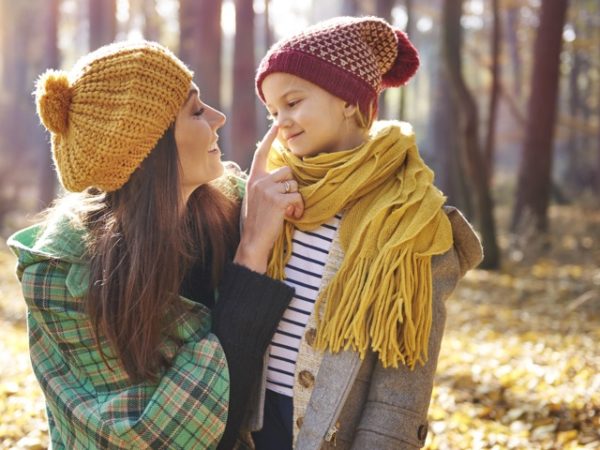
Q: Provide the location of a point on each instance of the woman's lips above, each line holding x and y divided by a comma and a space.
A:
215, 146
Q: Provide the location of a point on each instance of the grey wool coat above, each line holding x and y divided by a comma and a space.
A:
342, 402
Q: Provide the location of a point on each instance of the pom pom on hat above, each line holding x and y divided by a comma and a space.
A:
53, 99
405, 65
108, 112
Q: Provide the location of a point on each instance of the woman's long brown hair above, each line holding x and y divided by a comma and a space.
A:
140, 246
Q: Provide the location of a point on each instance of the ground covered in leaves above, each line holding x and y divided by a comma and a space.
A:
520, 362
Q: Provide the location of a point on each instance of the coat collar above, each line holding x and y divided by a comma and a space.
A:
59, 239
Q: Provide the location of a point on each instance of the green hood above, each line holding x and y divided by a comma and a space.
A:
58, 240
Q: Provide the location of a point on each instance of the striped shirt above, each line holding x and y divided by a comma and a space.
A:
303, 272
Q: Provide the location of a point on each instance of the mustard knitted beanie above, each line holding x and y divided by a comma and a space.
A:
110, 110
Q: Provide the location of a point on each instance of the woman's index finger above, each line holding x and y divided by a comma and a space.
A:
261, 154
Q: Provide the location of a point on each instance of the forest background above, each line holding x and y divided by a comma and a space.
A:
506, 109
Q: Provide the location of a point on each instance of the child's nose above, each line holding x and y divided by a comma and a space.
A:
283, 120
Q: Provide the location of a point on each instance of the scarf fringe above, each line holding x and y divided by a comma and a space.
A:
381, 297
281, 253
395, 321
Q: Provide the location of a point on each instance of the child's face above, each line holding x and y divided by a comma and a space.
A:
310, 119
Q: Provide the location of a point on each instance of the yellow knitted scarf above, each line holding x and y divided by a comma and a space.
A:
381, 296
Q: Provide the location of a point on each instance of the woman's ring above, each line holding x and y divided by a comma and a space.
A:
287, 187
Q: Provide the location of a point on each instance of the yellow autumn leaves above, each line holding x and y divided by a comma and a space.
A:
519, 366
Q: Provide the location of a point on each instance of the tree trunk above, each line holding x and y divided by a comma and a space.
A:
47, 176
268, 31
151, 20
572, 177
103, 22
597, 177
410, 32
12, 128
350, 8
29, 47
447, 161
597, 171
243, 112
441, 144
533, 187
512, 20
17, 113
469, 125
200, 45
383, 9
493, 111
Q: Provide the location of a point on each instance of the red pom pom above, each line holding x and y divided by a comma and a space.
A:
405, 65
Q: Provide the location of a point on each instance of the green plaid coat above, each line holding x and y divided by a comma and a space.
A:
89, 405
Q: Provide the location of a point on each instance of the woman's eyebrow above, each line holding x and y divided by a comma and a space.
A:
191, 94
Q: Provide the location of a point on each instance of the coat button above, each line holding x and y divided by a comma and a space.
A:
422, 432
306, 379
310, 336
299, 422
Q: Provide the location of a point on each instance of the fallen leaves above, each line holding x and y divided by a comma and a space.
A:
519, 366
520, 362
23, 423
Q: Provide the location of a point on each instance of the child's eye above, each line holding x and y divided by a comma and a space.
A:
199, 112
293, 103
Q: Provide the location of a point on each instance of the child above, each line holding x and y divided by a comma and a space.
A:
373, 258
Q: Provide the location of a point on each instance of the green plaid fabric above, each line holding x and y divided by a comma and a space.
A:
88, 404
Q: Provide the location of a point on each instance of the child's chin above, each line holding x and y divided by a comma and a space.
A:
303, 152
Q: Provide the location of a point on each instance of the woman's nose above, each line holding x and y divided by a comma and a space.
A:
218, 118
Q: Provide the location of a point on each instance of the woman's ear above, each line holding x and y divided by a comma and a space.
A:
350, 110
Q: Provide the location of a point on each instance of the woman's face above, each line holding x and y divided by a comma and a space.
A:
196, 137
310, 119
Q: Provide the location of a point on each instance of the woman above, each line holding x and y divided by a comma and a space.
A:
120, 277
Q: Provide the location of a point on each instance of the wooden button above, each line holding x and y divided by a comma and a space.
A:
310, 336
299, 422
306, 379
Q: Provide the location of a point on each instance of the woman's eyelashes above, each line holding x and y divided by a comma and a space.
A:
199, 112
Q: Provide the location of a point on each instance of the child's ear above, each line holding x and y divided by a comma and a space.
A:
350, 110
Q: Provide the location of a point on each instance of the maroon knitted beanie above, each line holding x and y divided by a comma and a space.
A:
353, 58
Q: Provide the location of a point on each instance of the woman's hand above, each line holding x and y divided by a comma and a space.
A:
269, 198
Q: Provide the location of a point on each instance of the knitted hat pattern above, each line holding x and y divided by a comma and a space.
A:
109, 111
353, 58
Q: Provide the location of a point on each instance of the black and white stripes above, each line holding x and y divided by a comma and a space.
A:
303, 272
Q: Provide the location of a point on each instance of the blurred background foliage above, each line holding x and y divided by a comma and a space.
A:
506, 108
505, 104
